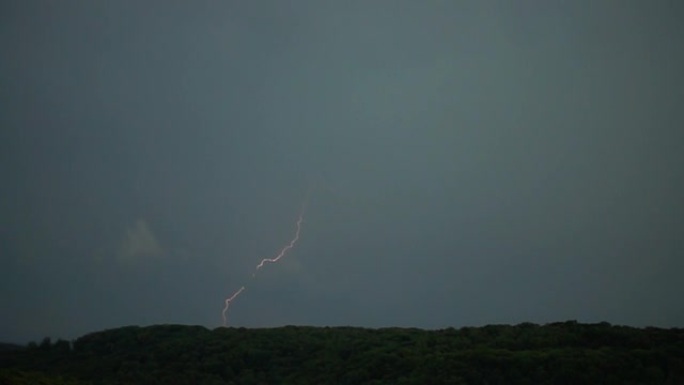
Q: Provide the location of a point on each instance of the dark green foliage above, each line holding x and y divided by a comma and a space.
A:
558, 353
18, 377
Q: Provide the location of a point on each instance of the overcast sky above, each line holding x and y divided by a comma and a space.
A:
466, 163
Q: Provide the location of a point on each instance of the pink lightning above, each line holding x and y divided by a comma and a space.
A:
228, 301
286, 248
271, 260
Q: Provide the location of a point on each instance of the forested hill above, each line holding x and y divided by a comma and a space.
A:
558, 353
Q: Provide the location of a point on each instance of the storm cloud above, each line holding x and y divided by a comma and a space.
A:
467, 163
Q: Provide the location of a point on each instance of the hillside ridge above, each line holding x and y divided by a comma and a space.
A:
561, 352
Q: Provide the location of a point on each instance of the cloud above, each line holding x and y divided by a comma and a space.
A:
139, 242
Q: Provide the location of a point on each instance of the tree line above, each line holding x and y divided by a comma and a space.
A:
556, 353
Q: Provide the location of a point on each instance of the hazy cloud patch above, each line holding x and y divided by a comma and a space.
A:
139, 242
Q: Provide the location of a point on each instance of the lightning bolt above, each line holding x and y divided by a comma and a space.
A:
284, 249
292, 243
280, 255
228, 301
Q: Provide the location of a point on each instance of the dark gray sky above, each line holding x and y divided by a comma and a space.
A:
468, 163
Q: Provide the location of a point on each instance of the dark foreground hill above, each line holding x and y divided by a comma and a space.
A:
559, 353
